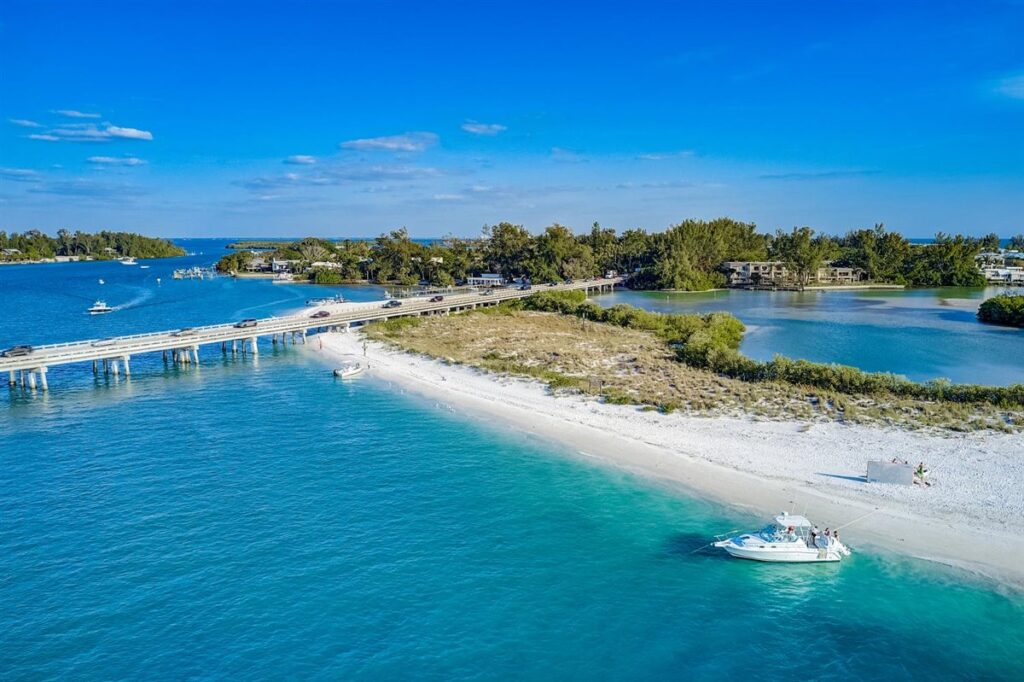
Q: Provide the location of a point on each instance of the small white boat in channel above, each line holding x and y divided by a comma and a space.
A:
127, 260
348, 371
100, 307
102, 282
788, 539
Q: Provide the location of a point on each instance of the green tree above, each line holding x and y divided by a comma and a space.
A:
508, 248
802, 252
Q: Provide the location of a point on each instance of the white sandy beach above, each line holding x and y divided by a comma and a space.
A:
971, 517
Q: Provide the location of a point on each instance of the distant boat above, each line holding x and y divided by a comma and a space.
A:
143, 267
127, 260
100, 307
349, 371
102, 282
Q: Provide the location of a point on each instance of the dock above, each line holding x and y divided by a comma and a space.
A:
182, 346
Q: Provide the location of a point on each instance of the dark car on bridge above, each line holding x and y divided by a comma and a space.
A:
16, 352
437, 299
245, 324
320, 314
392, 304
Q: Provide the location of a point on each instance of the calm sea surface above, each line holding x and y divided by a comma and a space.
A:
263, 521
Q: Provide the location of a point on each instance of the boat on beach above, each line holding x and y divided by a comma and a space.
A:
325, 300
788, 539
100, 307
348, 371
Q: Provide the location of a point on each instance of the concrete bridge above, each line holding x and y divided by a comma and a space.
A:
181, 346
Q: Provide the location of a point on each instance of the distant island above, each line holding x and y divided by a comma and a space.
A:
1005, 309
259, 244
694, 255
35, 247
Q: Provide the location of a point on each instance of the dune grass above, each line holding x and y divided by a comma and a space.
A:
636, 366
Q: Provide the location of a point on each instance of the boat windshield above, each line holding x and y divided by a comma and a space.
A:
770, 532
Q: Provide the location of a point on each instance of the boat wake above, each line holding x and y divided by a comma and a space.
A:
144, 295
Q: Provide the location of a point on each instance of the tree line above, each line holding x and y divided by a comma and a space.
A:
35, 245
686, 256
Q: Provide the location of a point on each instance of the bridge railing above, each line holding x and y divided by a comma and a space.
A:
273, 324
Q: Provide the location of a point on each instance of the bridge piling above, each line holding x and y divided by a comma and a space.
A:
31, 380
195, 353
113, 367
42, 379
127, 368
252, 344
11, 381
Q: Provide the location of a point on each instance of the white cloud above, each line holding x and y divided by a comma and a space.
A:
477, 128
90, 132
20, 175
301, 159
407, 142
116, 160
340, 175
567, 155
24, 123
74, 113
1012, 87
448, 197
661, 156
129, 133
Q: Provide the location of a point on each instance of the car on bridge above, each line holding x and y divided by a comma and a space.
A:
246, 323
526, 287
186, 331
100, 343
487, 292
320, 314
393, 303
437, 299
16, 352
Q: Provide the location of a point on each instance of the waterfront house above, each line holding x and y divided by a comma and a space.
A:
488, 279
1008, 275
256, 265
748, 273
283, 265
775, 273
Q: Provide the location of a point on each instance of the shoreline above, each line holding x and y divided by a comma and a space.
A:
970, 519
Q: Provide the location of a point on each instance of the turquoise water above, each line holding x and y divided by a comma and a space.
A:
923, 334
263, 521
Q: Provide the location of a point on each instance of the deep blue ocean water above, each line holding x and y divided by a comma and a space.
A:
260, 520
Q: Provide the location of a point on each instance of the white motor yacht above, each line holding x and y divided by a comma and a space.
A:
349, 371
127, 260
788, 539
99, 307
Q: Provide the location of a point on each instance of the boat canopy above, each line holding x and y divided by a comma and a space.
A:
785, 520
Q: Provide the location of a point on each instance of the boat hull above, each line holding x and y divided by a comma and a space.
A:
782, 556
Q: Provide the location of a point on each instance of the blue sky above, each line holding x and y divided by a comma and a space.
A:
350, 118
